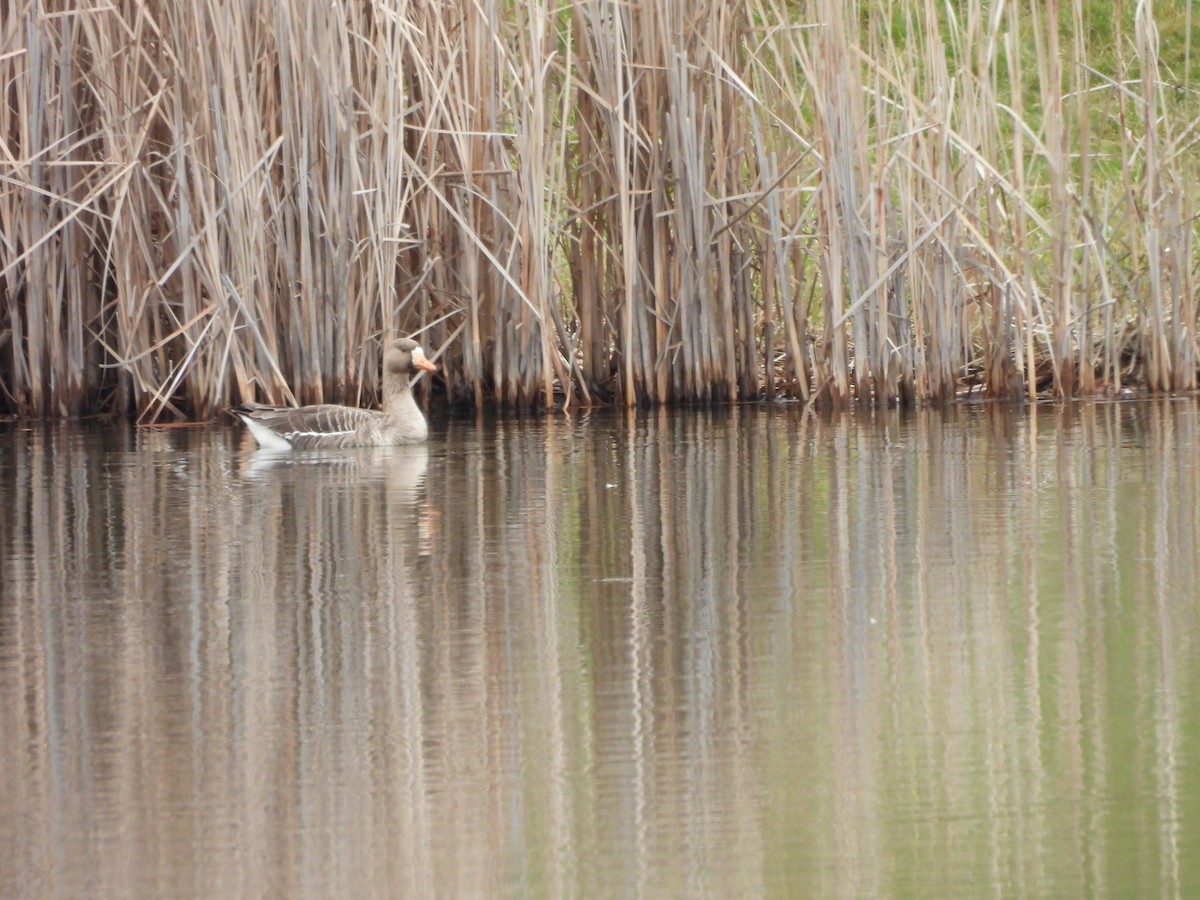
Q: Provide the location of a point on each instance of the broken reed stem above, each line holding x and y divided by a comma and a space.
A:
649, 202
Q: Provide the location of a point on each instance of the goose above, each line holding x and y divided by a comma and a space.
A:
330, 426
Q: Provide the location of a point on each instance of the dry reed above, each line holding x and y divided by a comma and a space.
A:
204, 202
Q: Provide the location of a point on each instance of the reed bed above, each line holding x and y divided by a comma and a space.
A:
205, 202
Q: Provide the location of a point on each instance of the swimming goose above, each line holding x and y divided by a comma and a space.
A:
334, 427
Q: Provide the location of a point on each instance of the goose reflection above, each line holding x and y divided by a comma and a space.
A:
401, 468
376, 488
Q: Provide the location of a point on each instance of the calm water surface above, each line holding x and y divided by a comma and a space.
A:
749, 653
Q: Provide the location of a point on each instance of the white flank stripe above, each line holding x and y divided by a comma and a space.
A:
292, 435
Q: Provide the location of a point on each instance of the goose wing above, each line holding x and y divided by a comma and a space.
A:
327, 425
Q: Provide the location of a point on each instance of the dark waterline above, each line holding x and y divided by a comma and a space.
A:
737, 653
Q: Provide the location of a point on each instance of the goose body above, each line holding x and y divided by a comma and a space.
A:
331, 426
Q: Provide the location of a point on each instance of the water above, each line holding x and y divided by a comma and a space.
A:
744, 653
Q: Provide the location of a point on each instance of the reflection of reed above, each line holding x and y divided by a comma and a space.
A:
183, 656
741, 653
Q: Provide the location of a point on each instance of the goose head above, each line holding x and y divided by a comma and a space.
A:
405, 357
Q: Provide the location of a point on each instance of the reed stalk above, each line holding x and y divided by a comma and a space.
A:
204, 202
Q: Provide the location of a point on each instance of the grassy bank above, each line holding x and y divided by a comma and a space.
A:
204, 202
